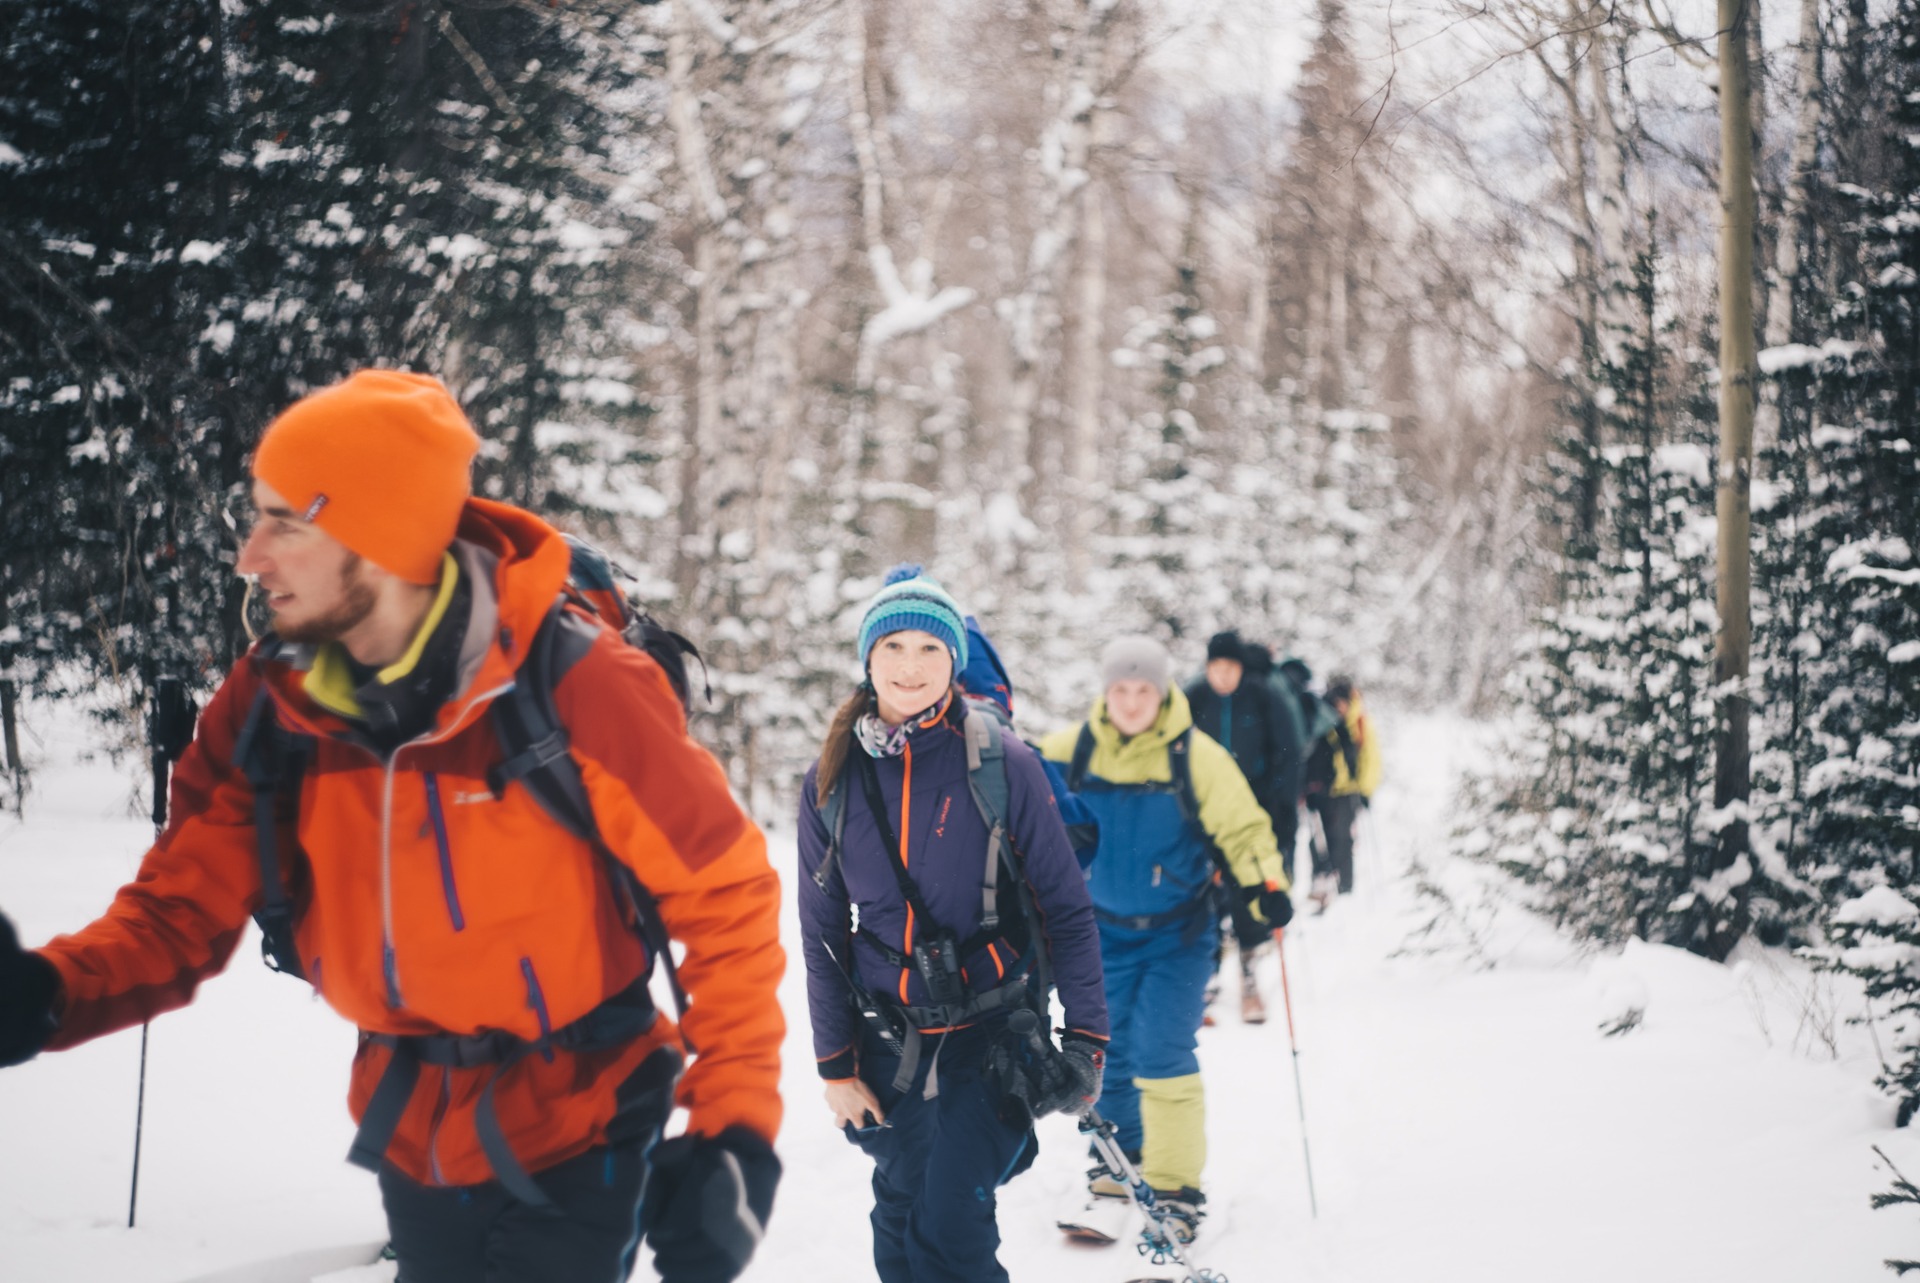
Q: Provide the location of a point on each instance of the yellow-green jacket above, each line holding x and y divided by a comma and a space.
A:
1152, 860
1365, 777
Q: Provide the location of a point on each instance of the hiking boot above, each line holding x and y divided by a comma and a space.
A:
1104, 1184
1185, 1208
1253, 1008
1206, 1012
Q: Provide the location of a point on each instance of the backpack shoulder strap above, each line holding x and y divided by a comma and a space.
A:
274, 761
1082, 758
536, 752
987, 780
992, 794
834, 816
1180, 767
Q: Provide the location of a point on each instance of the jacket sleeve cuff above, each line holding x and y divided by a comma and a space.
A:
839, 1066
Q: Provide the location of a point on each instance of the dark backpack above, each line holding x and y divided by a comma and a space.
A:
987, 684
534, 751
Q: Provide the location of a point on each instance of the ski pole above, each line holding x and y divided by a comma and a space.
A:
169, 731
1299, 1095
1158, 1242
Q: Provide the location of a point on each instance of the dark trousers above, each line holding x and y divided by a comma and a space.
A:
936, 1165
482, 1234
1339, 816
1285, 815
590, 1234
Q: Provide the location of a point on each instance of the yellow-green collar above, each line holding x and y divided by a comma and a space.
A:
330, 681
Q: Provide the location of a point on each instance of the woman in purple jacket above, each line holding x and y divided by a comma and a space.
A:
923, 990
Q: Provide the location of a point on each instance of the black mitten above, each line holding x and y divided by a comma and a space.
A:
28, 987
707, 1203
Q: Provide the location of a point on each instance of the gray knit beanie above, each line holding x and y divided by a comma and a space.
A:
1135, 659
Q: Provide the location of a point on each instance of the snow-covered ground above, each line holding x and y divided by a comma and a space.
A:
1468, 1118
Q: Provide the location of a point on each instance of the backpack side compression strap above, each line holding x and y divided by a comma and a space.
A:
537, 754
1180, 765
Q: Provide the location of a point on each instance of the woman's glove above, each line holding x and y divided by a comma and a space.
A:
1072, 1081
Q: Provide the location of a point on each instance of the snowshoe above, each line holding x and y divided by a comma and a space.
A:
1103, 1219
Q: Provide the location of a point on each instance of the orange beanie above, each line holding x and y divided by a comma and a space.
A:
380, 463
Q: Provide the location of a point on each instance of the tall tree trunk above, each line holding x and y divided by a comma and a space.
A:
1086, 381
1735, 559
1064, 147
1803, 171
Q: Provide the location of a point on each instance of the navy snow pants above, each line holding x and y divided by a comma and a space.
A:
936, 1165
590, 1234
1156, 997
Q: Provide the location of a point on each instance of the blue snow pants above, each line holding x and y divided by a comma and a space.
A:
1156, 997
936, 1165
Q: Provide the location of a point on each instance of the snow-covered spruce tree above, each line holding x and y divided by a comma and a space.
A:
123, 421
1162, 566
442, 198
1621, 694
1863, 792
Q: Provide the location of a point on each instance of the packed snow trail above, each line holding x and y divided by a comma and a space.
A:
1469, 1121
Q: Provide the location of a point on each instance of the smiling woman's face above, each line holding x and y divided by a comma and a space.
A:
911, 671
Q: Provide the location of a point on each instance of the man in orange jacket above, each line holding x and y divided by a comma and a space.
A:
512, 1078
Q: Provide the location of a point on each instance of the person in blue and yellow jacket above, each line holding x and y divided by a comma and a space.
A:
1174, 811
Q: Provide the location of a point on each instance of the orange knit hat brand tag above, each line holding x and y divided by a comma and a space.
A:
379, 462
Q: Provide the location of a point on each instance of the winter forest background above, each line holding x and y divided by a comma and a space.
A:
1387, 334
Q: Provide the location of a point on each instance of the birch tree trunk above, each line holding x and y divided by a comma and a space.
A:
1737, 372
895, 433
735, 104
1783, 277
1086, 380
1065, 140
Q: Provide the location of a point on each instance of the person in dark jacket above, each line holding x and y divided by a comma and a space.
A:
915, 1010
1236, 702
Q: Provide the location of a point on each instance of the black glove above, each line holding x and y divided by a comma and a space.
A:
707, 1203
28, 987
1271, 910
1071, 1082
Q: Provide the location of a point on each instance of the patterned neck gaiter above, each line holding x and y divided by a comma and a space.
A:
880, 739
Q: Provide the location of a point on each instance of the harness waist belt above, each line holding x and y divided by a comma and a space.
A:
618, 1020
1154, 921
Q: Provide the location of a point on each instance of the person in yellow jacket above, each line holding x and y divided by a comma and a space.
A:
1355, 753
1175, 814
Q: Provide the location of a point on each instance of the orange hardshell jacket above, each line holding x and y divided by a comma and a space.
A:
539, 924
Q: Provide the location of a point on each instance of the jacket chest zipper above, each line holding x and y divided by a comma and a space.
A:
437, 819
906, 807
389, 954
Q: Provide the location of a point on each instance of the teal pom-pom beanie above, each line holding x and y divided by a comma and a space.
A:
910, 600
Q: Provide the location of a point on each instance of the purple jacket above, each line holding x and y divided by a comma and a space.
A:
946, 843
